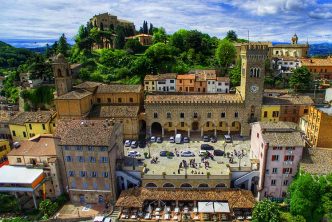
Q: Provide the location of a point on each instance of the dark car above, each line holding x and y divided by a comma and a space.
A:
218, 152
159, 140
206, 147
186, 139
213, 139
206, 139
142, 144
166, 153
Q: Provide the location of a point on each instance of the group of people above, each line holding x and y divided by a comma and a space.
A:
154, 160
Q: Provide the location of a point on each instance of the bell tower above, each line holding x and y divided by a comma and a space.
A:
62, 76
253, 58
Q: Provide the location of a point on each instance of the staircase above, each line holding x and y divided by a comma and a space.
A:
127, 176
114, 215
245, 177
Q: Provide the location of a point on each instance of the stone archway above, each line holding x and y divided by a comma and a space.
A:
195, 126
156, 129
222, 128
220, 185
186, 185
235, 128
203, 185
151, 185
168, 185
142, 128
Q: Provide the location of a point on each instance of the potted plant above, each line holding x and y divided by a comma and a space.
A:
208, 174
146, 155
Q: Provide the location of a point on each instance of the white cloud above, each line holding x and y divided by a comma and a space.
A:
273, 20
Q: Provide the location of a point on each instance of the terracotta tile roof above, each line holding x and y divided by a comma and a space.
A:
113, 111
75, 94
135, 197
194, 98
200, 77
281, 134
139, 35
223, 79
285, 91
186, 76
287, 100
75, 65
317, 62
85, 132
160, 77
32, 117
41, 145
317, 161
88, 85
6, 116
290, 46
118, 88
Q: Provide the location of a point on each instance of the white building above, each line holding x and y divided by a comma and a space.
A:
222, 84
166, 82
285, 66
328, 95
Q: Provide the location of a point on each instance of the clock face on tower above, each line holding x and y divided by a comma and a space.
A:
254, 88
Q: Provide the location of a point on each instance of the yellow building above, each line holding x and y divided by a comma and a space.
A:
28, 124
4, 149
319, 128
270, 113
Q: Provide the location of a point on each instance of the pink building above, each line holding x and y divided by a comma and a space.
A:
277, 147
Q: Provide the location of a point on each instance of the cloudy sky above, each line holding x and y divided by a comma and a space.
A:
273, 20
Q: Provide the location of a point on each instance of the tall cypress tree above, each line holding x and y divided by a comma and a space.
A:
63, 46
151, 29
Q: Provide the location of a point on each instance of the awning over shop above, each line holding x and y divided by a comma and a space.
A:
205, 207
221, 207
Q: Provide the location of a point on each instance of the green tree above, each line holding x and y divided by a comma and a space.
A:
48, 208
159, 35
225, 55
235, 74
231, 36
266, 211
15, 219
63, 46
300, 79
120, 37
162, 56
133, 46
151, 29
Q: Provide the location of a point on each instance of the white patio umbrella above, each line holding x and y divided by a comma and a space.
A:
150, 208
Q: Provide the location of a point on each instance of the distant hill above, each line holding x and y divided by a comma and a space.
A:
40, 50
11, 56
320, 49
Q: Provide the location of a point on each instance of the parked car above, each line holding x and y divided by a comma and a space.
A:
213, 139
133, 153
127, 143
218, 152
164, 153
178, 138
142, 144
187, 153
159, 139
186, 139
171, 139
153, 139
134, 144
228, 138
206, 139
203, 152
206, 147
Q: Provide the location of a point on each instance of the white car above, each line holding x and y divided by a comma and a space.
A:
203, 152
153, 139
187, 153
127, 143
133, 153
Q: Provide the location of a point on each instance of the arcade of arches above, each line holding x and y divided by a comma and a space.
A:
186, 183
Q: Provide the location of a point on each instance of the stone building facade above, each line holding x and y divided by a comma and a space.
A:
89, 160
210, 113
106, 21
93, 100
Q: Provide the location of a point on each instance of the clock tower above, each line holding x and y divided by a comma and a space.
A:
253, 56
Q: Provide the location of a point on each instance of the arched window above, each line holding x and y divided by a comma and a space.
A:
203, 185
150, 185
59, 73
251, 72
220, 185
168, 185
186, 185
258, 73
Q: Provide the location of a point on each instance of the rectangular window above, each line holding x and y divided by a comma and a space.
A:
19, 160
79, 148
290, 148
181, 115
30, 126
67, 148
273, 182
131, 100
105, 174
109, 100
24, 134
275, 157
69, 159
285, 183
92, 159
85, 185
169, 124
182, 124
107, 186
274, 170
265, 113
169, 116
277, 148
119, 100
305, 111
287, 171
80, 159
43, 125
208, 124
289, 158
14, 133
275, 114
257, 135
171, 81
93, 174
91, 148
95, 186
104, 159
195, 115
209, 115
223, 115
220, 124
155, 115
71, 173
236, 114
103, 148
82, 173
